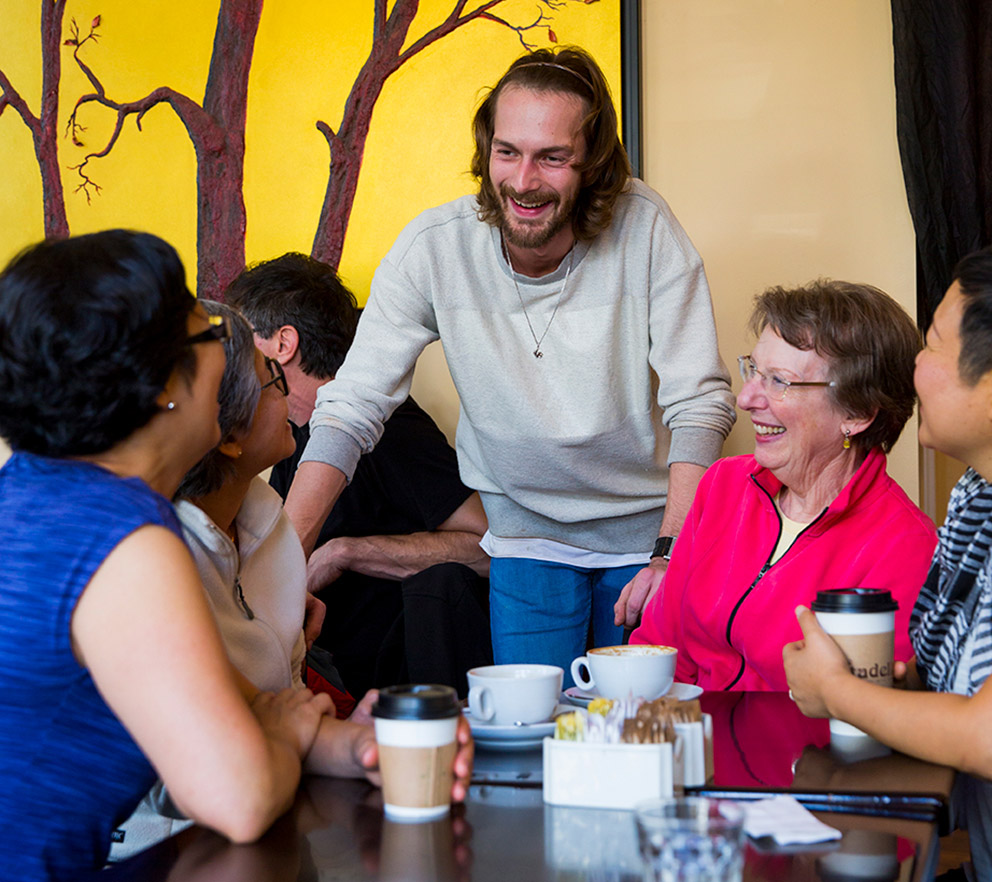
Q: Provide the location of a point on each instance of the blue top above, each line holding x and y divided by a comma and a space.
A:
69, 771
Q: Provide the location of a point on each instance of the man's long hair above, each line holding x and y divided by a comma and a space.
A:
606, 169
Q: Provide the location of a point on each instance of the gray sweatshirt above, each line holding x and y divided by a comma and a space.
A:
573, 446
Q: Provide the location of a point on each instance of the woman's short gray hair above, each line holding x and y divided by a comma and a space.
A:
238, 398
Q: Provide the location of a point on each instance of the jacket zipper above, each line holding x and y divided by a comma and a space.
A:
767, 566
247, 610
241, 599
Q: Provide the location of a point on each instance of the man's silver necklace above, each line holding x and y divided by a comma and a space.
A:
513, 276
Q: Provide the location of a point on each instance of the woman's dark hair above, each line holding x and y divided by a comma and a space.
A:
606, 169
866, 337
91, 329
974, 277
238, 398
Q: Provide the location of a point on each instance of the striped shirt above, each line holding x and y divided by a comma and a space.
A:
951, 624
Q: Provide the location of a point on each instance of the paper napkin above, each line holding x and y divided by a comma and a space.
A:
786, 821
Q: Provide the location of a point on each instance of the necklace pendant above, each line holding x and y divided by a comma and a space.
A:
538, 353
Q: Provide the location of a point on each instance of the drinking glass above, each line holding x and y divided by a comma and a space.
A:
690, 839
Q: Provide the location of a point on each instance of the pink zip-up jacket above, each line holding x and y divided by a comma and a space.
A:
729, 613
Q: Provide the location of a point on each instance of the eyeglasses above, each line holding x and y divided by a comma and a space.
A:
278, 376
220, 329
774, 387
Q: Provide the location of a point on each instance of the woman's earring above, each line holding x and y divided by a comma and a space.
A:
847, 440
171, 405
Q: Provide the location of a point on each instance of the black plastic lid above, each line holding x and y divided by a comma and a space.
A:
854, 600
416, 702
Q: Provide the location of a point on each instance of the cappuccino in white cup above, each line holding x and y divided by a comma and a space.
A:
641, 671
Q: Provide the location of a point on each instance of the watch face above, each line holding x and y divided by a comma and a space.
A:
663, 547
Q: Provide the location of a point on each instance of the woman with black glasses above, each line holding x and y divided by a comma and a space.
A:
111, 667
828, 387
253, 569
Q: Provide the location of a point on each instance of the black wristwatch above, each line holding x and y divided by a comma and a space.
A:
663, 547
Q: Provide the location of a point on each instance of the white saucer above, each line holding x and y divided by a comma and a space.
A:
506, 738
684, 691
579, 696
681, 691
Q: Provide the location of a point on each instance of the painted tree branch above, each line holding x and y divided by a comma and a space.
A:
216, 129
44, 126
193, 117
380, 19
347, 144
13, 98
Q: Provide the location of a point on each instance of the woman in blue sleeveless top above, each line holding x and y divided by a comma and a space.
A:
111, 668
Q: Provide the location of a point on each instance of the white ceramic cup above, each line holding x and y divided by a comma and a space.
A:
620, 671
507, 694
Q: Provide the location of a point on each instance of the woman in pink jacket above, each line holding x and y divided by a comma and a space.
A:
828, 386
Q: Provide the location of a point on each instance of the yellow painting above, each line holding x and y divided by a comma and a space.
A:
238, 132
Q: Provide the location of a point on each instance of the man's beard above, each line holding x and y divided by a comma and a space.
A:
521, 234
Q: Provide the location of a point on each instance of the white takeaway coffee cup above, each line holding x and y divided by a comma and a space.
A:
505, 695
862, 623
643, 671
416, 728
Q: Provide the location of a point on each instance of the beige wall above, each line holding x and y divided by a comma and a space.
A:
769, 125
770, 128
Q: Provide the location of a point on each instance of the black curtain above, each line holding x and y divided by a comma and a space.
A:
943, 72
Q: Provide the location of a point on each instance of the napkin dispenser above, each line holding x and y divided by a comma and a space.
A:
618, 776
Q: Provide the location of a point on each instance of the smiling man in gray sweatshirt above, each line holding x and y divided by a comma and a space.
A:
577, 325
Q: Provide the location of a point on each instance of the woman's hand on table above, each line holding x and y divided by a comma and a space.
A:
362, 714
292, 716
464, 758
813, 666
366, 752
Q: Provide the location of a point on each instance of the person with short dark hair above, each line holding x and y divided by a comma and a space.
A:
828, 386
944, 713
111, 668
397, 561
296, 291
577, 324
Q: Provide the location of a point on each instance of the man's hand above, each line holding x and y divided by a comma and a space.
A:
814, 666
313, 619
638, 591
326, 564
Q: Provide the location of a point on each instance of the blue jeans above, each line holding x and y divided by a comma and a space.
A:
540, 611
